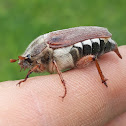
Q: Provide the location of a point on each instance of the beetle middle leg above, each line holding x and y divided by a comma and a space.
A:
61, 78
86, 60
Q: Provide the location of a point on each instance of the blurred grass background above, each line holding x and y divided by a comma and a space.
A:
21, 21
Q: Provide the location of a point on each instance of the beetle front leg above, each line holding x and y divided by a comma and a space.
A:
29, 72
61, 78
86, 60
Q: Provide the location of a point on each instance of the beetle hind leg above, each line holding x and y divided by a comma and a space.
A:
100, 71
86, 60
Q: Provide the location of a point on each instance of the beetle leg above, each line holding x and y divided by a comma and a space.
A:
86, 60
100, 71
61, 78
29, 72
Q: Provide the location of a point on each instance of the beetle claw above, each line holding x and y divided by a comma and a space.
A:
62, 97
18, 84
104, 81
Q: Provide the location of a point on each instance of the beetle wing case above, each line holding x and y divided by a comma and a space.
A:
67, 37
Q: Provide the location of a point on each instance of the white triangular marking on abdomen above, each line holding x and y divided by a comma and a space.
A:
87, 42
79, 44
96, 40
111, 41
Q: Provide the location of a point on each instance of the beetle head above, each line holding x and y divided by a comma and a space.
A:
24, 62
32, 54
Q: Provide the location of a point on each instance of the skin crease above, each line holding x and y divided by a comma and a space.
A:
88, 102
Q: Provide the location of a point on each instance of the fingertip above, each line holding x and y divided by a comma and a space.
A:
87, 101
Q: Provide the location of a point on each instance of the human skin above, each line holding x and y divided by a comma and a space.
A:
88, 102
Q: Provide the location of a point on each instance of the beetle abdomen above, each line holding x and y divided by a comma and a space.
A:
97, 47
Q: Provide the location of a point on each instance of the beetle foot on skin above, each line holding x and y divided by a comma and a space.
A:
19, 83
64, 94
63, 97
104, 81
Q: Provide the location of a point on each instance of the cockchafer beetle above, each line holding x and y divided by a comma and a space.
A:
67, 48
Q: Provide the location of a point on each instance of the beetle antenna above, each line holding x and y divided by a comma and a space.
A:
19, 57
13, 60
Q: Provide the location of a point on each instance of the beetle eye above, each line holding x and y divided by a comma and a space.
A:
28, 58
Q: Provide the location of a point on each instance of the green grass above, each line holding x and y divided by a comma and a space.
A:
21, 21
